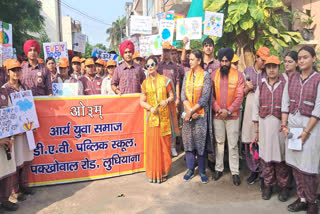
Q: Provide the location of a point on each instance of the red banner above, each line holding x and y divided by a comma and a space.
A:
84, 138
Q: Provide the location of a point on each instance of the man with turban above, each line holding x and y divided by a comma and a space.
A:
228, 85
127, 77
35, 76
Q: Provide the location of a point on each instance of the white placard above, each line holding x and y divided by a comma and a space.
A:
150, 45
79, 42
7, 45
213, 24
103, 54
189, 27
141, 25
56, 50
294, 142
166, 30
65, 89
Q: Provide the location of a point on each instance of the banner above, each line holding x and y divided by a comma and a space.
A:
189, 27
56, 50
150, 45
79, 42
87, 138
141, 25
103, 54
166, 30
213, 24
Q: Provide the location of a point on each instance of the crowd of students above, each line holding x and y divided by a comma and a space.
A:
197, 100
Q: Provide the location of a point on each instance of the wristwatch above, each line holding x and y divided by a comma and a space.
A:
229, 112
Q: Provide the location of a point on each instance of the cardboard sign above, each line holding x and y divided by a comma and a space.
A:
141, 25
56, 50
166, 30
189, 27
79, 42
150, 45
103, 54
6, 41
10, 124
87, 138
213, 24
65, 89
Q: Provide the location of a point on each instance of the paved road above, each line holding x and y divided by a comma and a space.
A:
139, 196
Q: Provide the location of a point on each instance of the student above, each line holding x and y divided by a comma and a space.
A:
52, 67
100, 68
76, 67
91, 83
106, 83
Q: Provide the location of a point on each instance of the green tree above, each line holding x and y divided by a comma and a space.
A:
250, 24
24, 15
116, 32
101, 46
88, 50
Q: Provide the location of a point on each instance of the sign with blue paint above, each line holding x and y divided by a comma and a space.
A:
166, 30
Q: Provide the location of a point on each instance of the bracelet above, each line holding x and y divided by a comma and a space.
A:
308, 133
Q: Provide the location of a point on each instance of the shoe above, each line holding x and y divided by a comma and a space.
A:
217, 175
261, 184
312, 208
252, 178
174, 152
28, 191
266, 193
284, 194
211, 165
297, 206
188, 175
236, 180
22, 197
204, 178
9, 206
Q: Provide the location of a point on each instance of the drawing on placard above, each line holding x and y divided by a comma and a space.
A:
213, 24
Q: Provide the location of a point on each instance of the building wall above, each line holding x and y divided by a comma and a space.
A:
50, 13
67, 31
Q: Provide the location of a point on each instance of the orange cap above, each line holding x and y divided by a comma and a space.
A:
111, 62
13, 63
89, 61
136, 55
5, 64
100, 62
179, 50
263, 52
63, 62
174, 48
272, 60
166, 46
83, 60
235, 59
76, 59
41, 61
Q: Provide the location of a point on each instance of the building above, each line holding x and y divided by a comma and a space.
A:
51, 11
69, 26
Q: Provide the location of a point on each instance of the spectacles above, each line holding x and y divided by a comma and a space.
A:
150, 65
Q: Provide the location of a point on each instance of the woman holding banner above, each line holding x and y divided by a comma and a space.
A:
162, 125
23, 155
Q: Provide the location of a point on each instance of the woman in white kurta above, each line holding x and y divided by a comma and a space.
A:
266, 116
253, 74
23, 156
301, 109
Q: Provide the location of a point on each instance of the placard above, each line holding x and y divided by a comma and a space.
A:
150, 45
189, 27
166, 30
7, 45
103, 54
141, 25
79, 42
56, 50
65, 89
213, 24
9, 123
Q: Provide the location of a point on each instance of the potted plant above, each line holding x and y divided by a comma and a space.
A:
306, 19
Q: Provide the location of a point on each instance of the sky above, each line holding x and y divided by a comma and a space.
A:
105, 10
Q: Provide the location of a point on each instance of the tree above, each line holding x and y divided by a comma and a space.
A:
116, 32
101, 46
88, 50
250, 24
24, 15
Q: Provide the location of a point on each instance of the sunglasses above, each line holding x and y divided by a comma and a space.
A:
150, 65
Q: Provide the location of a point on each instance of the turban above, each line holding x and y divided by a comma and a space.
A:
124, 45
227, 52
31, 43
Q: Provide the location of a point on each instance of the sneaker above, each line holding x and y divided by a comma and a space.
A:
253, 177
297, 206
174, 152
204, 178
9, 206
266, 193
284, 194
188, 175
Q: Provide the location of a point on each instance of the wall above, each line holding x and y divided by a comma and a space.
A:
51, 14
67, 31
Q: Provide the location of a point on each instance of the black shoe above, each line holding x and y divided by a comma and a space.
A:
284, 194
211, 165
22, 197
253, 177
9, 206
297, 206
266, 193
28, 191
261, 184
217, 175
236, 180
312, 208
